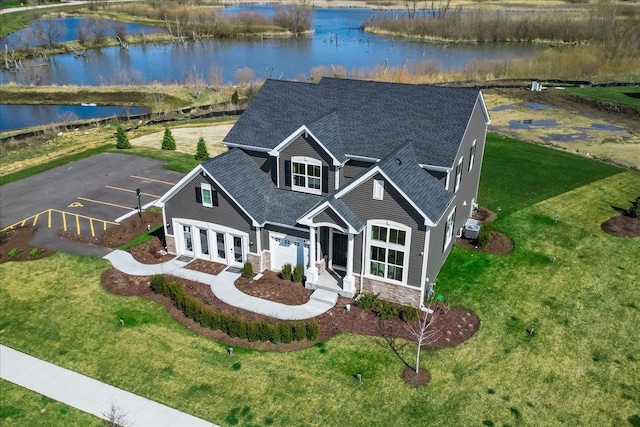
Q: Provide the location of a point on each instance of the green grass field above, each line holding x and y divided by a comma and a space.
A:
626, 95
580, 368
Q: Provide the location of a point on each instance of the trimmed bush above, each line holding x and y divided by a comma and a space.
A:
313, 329
168, 143
264, 331
367, 300
253, 332
235, 97
634, 210
122, 142
286, 272
201, 150
274, 333
297, 273
385, 310
299, 331
247, 270
409, 314
286, 333
484, 237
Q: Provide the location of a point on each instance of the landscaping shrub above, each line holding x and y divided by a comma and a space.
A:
385, 310
34, 252
634, 210
297, 273
168, 143
247, 270
201, 150
409, 314
286, 334
286, 272
235, 97
14, 252
367, 300
122, 142
313, 329
233, 325
484, 237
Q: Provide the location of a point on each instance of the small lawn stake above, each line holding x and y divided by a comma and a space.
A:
230, 350
531, 331
335, 326
347, 308
121, 321
359, 377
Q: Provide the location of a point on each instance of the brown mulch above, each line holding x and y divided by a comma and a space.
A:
454, 325
206, 266
423, 377
15, 246
483, 214
270, 286
500, 244
622, 226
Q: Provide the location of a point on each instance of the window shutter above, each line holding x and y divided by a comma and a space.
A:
215, 197
287, 173
325, 179
198, 195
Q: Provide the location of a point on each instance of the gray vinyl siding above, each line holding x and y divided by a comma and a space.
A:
283, 230
329, 216
265, 162
309, 148
393, 207
466, 193
184, 204
351, 169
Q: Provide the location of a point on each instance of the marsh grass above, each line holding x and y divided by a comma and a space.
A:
23, 407
578, 369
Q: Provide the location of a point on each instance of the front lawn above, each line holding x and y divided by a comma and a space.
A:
575, 284
625, 95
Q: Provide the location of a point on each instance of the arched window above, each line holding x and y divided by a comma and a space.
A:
388, 245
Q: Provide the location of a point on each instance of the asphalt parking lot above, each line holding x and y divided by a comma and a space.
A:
86, 196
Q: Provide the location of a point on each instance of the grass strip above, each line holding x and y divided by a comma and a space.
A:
625, 95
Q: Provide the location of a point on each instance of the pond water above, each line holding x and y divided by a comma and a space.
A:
336, 41
22, 116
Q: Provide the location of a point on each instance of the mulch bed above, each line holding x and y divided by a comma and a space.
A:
423, 377
15, 246
483, 214
454, 325
622, 226
204, 266
500, 244
270, 286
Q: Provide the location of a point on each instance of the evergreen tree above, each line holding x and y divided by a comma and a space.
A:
201, 150
121, 138
234, 97
168, 143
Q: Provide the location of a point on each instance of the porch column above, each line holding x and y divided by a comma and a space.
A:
312, 270
349, 282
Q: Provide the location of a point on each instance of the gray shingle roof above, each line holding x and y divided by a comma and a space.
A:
255, 191
352, 219
361, 118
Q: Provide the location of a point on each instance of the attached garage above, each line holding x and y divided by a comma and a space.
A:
287, 249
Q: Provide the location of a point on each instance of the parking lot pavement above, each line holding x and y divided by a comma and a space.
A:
86, 196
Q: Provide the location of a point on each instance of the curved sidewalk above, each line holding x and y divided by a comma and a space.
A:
87, 394
223, 288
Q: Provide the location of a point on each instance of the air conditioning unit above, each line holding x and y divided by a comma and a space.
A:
471, 229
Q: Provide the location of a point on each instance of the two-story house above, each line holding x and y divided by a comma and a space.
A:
364, 184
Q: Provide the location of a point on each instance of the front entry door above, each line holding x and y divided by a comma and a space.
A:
188, 239
238, 253
339, 252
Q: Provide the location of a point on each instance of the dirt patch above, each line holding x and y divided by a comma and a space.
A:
206, 266
271, 287
187, 138
500, 244
622, 226
423, 377
15, 246
456, 325
483, 214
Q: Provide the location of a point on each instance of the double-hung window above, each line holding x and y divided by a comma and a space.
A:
472, 154
306, 175
207, 195
448, 231
458, 175
388, 250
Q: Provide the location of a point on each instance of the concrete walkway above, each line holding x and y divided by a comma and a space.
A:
87, 394
223, 288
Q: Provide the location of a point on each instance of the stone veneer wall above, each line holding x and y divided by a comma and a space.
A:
321, 265
393, 293
255, 262
266, 261
171, 244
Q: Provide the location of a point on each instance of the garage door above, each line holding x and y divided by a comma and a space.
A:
287, 249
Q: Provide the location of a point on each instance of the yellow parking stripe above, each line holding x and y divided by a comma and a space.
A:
78, 224
93, 233
131, 191
35, 220
154, 180
129, 208
64, 222
49, 218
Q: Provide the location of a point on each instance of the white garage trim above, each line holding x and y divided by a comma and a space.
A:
294, 252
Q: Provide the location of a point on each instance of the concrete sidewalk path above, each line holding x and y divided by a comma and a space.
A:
222, 286
87, 394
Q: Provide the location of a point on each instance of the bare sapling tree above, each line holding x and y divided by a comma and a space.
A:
295, 17
121, 35
115, 416
425, 330
215, 78
195, 83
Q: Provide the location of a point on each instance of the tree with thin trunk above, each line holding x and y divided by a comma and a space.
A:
425, 329
121, 138
115, 416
